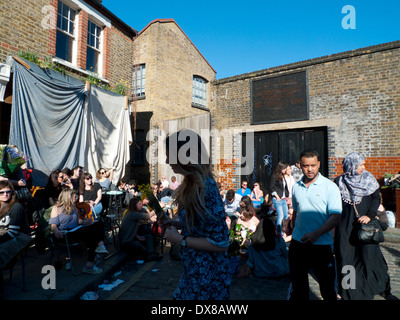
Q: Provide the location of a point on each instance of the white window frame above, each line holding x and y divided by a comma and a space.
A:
68, 32
199, 93
139, 80
97, 18
98, 46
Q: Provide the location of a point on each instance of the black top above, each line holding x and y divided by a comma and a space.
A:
14, 221
279, 187
91, 195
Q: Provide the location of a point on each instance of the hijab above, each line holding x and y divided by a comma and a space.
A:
354, 186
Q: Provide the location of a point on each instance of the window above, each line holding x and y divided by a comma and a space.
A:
139, 77
199, 95
93, 47
65, 31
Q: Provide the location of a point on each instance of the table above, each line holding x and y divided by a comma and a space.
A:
114, 212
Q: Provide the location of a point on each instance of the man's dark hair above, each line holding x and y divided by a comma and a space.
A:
309, 154
230, 194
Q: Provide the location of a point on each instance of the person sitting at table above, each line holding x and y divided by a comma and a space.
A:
67, 172
269, 260
76, 176
91, 191
244, 190
231, 204
132, 187
257, 196
135, 237
104, 178
128, 193
14, 228
64, 217
53, 188
174, 183
163, 194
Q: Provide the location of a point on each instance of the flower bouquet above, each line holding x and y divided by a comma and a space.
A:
11, 159
239, 238
153, 203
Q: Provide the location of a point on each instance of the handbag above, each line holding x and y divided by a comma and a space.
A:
371, 232
23, 194
258, 238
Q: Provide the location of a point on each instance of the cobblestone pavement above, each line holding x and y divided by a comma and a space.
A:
157, 281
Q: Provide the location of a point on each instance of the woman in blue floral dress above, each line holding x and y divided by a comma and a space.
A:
204, 236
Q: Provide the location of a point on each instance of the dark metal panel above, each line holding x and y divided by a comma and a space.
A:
280, 98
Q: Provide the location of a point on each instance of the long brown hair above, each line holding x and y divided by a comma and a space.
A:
190, 195
6, 206
278, 170
82, 182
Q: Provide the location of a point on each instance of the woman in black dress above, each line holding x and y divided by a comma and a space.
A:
358, 188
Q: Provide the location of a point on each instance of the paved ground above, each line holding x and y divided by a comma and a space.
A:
152, 280
157, 281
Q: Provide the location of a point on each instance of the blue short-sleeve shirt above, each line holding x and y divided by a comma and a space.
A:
314, 206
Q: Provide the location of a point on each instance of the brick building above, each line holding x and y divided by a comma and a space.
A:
172, 80
336, 104
80, 36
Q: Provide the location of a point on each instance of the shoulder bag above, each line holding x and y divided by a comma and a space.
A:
371, 232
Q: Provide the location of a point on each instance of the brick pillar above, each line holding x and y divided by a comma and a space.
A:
82, 39
106, 52
53, 30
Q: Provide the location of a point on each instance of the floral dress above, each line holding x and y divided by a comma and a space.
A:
205, 275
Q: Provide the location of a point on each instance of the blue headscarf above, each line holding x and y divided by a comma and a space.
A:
354, 186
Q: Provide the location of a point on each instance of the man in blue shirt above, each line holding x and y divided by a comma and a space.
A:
244, 191
317, 209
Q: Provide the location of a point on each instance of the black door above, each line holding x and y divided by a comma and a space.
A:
270, 147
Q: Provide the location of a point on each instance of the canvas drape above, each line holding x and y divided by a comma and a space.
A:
59, 124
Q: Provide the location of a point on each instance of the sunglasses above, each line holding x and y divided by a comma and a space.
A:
5, 192
88, 178
102, 172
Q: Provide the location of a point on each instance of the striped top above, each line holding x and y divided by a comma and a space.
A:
14, 222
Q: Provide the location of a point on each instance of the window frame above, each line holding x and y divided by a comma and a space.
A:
71, 34
98, 41
139, 90
199, 92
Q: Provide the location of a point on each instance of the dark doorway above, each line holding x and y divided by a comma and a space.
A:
270, 147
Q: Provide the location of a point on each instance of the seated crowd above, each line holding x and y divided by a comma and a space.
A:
245, 209
248, 210
60, 203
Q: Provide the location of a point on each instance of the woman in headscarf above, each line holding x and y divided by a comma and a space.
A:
360, 190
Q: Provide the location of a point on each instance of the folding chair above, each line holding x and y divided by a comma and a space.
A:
54, 241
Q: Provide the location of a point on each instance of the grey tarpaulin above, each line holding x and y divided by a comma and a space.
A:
57, 125
109, 134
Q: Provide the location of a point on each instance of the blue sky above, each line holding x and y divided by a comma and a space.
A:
237, 37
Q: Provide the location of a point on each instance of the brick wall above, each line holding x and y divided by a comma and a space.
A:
355, 95
119, 57
82, 39
171, 61
23, 26
378, 166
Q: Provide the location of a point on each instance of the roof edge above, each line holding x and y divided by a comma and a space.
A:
173, 21
309, 62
